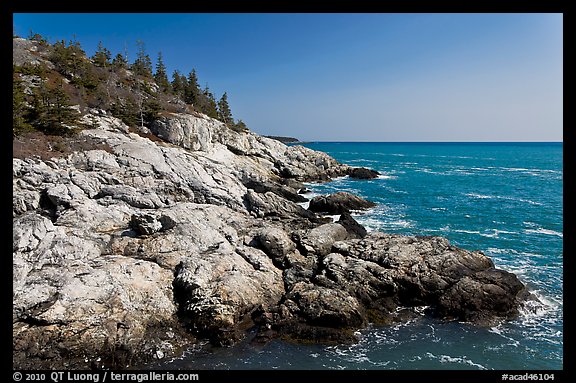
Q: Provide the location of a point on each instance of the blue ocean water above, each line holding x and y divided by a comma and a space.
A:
505, 199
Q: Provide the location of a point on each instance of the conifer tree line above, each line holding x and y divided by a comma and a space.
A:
47, 108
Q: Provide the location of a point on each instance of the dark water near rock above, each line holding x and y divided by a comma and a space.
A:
504, 199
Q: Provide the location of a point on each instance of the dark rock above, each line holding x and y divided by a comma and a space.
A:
324, 307
145, 224
354, 229
363, 173
483, 298
338, 203
282, 191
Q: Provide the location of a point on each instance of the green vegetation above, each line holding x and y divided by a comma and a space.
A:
44, 91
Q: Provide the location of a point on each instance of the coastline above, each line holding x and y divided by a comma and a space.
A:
191, 242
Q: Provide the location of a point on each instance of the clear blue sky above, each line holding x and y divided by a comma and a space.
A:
354, 76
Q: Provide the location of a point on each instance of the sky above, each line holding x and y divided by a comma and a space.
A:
353, 76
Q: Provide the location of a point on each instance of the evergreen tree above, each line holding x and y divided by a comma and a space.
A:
208, 104
69, 60
51, 110
37, 37
151, 110
160, 75
192, 92
102, 56
178, 84
126, 110
119, 62
239, 126
19, 107
143, 65
224, 112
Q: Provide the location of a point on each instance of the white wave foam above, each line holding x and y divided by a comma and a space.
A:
386, 177
529, 201
305, 205
467, 231
479, 196
544, 231
458, 359
499, 330
484, 196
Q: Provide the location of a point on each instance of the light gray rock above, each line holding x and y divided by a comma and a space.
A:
319, 240
116, 249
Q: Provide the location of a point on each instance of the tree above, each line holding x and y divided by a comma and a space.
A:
239, 126
224, 112
207, 103
19, 107
192, 92
160, 75
142, 65
37, 37
102, 56
69, 60
126, 110
51, 109
119, 62
178, 84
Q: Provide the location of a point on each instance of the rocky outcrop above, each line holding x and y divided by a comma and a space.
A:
131, 253
338, 203
363, 173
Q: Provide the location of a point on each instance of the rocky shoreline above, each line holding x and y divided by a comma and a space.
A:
131, 253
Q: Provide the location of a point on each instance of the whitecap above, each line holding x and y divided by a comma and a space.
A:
480, 196
529, 201
467, 231
451, 359
544, 231
386, 177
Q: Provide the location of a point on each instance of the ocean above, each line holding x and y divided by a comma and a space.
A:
505, 199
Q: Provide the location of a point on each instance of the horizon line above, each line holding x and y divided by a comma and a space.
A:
436, 142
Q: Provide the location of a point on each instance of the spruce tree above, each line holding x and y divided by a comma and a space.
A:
142, 66
19, 107
224, 112
102, 56
208, 104
178, 84
119, 62
192, 92
51, 110
239, 126
160, 75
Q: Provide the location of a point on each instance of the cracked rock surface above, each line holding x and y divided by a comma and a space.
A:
125, 254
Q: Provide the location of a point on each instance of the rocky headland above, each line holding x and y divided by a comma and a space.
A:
134, 249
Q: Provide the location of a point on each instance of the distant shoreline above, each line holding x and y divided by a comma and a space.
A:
441, 142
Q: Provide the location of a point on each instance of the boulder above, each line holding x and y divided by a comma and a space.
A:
363, 173
338, 203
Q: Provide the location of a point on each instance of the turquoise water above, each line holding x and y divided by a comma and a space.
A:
504, 199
